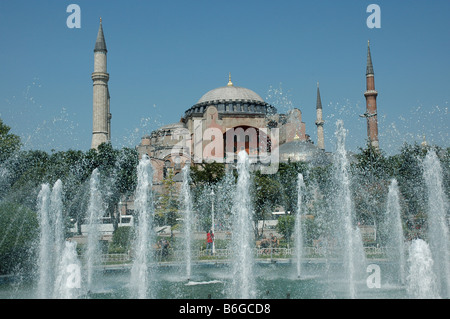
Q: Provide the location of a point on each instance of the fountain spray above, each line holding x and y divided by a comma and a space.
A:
188, 218
298, 224
145, 237
243, 283
438, 232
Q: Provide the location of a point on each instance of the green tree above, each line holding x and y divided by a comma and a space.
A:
167, 204
371, 163
267, 194
371, 175
409, 174
19, 229
287, 178
28, 174
127, 162
285, 226
312, 230
121, 240
9, 143
209, 173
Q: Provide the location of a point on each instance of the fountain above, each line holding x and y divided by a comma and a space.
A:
95, 213
55, 255
438, 233
188, 219
225, 199
394, 231
141, 272
68, 280
56, 211
421, 280
45, 244
242, 243
298, 225
349, 239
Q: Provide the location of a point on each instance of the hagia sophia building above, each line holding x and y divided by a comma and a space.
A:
224, 121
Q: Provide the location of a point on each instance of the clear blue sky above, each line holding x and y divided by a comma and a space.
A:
164, 55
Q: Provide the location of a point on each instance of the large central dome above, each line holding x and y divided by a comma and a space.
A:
232, 99
230, 93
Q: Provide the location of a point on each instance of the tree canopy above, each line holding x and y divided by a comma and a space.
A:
9, 143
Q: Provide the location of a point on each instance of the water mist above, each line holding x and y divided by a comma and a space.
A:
394, 231
188, 219
95, 213
350, 238
243, 283
438, 232
141, 273
298, 225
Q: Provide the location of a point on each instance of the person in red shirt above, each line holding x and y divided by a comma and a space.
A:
209, 242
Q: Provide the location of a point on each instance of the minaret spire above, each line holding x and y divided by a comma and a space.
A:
371, 102
101, 130
318, 101
319, 121
100, 44
369, 69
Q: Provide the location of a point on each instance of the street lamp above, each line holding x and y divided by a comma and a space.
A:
212, 219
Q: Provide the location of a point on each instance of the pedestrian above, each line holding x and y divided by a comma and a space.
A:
264, 244
209, 242
165, 248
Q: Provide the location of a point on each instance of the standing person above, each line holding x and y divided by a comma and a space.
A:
209, 241
264, 244
273, 242
165, 248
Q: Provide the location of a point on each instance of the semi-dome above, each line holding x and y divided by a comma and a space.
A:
302, 151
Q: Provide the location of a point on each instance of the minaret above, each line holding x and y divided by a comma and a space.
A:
101, 132
371, 103
319, 121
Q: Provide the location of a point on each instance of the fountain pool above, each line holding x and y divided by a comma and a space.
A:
273, 280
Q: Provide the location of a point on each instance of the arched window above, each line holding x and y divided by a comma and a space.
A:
249, 138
